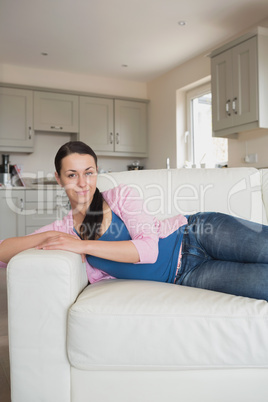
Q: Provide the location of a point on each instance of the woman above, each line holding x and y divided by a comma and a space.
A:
207, 250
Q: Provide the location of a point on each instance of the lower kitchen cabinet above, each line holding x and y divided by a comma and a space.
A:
44, 206
12, 215
24, 211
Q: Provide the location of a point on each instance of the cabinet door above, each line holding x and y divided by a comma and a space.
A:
96, 123
130, 127
55, 112
44, 206
245, 83
38, 216
222, 91
16, 120
12, 213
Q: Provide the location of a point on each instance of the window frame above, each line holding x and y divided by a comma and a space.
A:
189, 135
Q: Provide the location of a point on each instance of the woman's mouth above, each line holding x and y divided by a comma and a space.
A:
82, 192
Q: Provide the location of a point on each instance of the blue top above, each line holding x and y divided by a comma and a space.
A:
163, 270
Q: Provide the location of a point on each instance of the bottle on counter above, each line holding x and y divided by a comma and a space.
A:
5, 177
5, 163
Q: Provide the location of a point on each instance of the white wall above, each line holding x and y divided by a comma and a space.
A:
251, 142
46, 145
69, 81
167, 111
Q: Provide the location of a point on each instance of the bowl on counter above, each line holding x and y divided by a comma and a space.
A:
130, 167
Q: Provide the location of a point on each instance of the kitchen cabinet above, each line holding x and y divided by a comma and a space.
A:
130, 127
44, 206
97, 123
55, 112
16, 120
12, 213
114, 127
22, 211
111, 126
239, 79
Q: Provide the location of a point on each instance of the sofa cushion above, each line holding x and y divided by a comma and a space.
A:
136, 325
264, 185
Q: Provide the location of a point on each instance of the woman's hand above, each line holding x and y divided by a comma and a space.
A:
63, 241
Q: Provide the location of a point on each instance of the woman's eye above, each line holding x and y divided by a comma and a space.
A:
89, 173
71, 175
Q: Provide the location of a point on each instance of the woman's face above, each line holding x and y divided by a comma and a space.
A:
78, 176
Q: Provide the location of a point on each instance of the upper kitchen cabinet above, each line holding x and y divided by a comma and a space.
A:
240, 84
16, 120
55, 112
114, 127
130, 127
97, 123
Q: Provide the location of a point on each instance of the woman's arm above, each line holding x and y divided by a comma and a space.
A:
121, 251
14, 245
127, 202
143, 247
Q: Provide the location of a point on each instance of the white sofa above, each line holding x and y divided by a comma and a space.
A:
117, 340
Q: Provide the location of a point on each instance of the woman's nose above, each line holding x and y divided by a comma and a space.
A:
82, 181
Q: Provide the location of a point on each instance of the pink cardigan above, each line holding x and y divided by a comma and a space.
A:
144, 229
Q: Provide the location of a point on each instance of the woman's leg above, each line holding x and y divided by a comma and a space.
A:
224, 237
225, 254
236, 278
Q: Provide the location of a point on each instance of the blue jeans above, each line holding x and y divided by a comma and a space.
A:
225, 254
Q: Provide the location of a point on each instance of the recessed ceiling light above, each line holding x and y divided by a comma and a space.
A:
182, 23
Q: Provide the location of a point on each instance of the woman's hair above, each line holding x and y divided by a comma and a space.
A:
94, 216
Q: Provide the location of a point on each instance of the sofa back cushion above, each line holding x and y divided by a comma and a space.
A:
235, 191
264, 184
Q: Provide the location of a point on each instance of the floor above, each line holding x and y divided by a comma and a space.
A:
4, 356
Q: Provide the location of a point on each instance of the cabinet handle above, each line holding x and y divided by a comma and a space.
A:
227, 107
56, 128
117, 138
234, 105
111, 138
21, 205
30, 133
67, 205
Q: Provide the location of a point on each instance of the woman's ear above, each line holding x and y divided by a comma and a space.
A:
58, 179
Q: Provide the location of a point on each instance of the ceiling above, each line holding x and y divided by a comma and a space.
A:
129, 39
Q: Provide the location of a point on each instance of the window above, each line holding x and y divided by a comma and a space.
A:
203, 149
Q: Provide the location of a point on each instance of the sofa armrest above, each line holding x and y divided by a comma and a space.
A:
42, 285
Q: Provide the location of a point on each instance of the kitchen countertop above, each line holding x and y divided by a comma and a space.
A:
34, 184
32, 187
